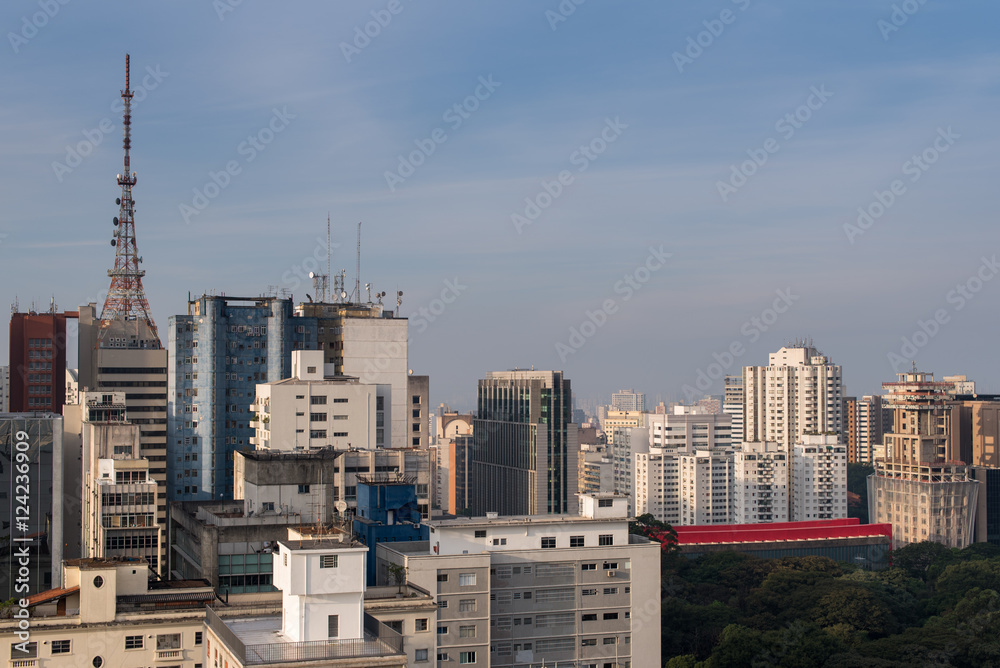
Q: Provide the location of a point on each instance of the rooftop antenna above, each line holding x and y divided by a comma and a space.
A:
328, 252
357, 276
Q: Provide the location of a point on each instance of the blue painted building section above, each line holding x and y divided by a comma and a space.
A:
219, 352
386, 513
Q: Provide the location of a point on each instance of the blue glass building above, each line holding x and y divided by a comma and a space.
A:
219, 351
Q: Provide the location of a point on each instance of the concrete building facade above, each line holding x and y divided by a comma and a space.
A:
919, 487
799, 392
761, 472
819, 478
520, 590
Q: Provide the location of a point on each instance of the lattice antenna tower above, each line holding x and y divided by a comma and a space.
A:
126, 300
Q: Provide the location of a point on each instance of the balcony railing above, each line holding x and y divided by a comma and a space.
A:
378, 640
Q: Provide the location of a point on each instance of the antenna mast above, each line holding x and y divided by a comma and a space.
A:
357, 276
329, 274
126, 300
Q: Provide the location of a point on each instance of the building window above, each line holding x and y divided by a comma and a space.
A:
589, 642
416, 399
606, 539
442, 630
548, 542
316, 433
442, 577
590, 617
32, 652
611, 565
466, 657
420, 624
197, 637
589, 592
499, 541
168, 641
328, 561
332, 626
610, 615
588, 567
317, 400
396, 625
467, 631
480, 533
466, 579
610, 590
60, 646
303, 489
317, 417
420, 655
576, 541
605, 503
467, 605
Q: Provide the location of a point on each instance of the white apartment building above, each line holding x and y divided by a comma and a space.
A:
119, 494
707, 487
690, 428
657, 484
544, 588
626, 443
314, 409
761, 483
732, 405
819, 478
628, 400
798, 392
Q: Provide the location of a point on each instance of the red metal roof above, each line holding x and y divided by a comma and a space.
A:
51, 595
848, 527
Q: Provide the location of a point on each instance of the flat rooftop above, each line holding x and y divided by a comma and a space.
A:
517, 520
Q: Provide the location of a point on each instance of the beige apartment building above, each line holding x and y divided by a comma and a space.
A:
553, 589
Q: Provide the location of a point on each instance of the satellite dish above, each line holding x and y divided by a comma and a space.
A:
341, 506
312, 274
343, 295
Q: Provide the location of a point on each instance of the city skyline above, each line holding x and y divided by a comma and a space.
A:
725, 157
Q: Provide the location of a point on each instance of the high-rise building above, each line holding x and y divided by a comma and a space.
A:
527, 590
37, 361
706, 479
34, 503
524, 461
920, 487
732, 404
628, 400
818, 479
121, 349
799, 392
219, 352
119, 495
370, 343
870, 422
761, 472
314, 410
690, 428
849, 410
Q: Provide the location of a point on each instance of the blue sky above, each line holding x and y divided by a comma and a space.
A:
556, 85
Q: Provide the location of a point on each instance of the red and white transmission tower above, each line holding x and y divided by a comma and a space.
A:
126, 300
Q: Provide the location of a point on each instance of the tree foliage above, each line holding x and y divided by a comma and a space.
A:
934, 606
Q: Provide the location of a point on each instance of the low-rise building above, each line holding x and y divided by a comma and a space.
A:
521, 590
